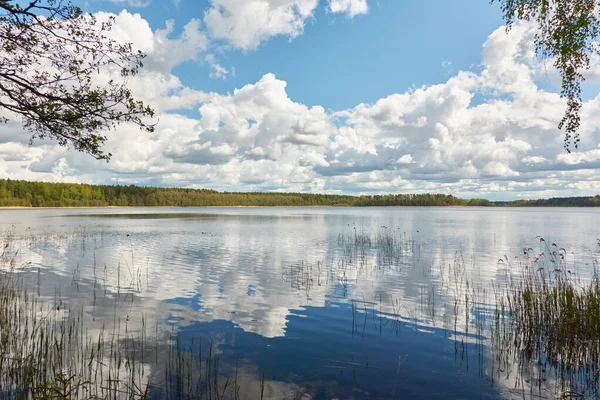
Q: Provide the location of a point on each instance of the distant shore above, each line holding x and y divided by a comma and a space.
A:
16, 194
299, 206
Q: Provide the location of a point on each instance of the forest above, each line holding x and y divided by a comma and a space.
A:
18, 193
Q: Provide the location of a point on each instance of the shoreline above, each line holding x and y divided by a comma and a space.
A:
8, 208
188, 207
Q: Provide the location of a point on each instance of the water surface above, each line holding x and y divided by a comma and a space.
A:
286, 293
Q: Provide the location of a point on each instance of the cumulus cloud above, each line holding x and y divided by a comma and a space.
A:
405, 159
580, 157
218, 71
132, 3
156, 85
257, 122
166, 53
533, 159
350, 7
427, 139
246, 23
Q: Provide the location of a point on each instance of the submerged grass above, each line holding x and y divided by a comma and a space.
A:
558, 314
546, 323
548, 319
544, 331
47, 351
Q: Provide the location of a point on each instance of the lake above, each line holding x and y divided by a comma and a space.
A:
307, 303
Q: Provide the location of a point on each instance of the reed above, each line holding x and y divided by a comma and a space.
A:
543, 328
545, 320
47, 352
548, 319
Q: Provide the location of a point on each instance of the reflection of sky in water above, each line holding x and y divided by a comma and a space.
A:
319, 348
271, 287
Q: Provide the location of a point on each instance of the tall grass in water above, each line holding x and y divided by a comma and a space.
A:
550, 318
544, 334
386, 246
47, 352
546, 317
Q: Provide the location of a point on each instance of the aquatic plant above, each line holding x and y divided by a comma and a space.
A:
548, 318
540, 329
47, 352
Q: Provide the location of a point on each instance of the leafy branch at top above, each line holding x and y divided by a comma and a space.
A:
567, 32
65, 78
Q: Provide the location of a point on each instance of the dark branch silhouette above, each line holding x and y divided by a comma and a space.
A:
51, 59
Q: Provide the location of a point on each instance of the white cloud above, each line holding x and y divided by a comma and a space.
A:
218, 71
499, 169
167, 53
534, 160
350, 7
427, 139
258, 121
405, 159
132, 3
580, 157
156, 85
247, 23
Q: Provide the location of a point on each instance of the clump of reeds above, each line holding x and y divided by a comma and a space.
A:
47, 352
386, 246
550, 317
556, 311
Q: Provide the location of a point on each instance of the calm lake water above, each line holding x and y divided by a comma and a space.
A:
287, 297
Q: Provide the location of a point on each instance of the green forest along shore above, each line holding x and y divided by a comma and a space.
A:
18, 193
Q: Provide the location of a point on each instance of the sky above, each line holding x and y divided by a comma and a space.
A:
332, 96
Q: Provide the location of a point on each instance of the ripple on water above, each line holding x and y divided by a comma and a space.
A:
279, 289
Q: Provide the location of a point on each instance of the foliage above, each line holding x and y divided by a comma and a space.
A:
16, 193
480, 203
591, 201
51, 57
567, 32
43, 194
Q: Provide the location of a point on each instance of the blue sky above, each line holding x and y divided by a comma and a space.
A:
333, 96
339, 62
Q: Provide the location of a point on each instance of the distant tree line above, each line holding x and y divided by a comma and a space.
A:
17, 193
591, 201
